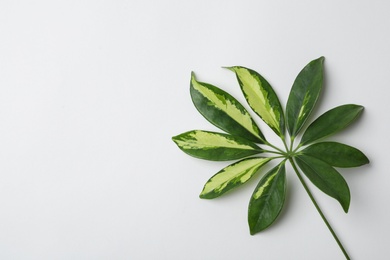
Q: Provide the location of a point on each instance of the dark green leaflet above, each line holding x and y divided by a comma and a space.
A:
304, 94
336, 154
267, 199
326, 178
331, 122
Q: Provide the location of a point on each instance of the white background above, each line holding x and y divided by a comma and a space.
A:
91, 93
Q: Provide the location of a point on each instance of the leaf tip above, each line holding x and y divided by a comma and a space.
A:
252, 228
367, 160
229, 68
205, 196
346, 203
193, 75
193, 81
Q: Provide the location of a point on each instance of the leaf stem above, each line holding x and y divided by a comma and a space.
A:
284, 143
318, 208
275, 152
273, 146
292, 143
297, 148
278, 157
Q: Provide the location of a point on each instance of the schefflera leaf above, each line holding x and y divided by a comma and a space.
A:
331, 122
267, 199
326, 178
215, 146
336, 154
303, 95
232, 176
224, 111
261, 98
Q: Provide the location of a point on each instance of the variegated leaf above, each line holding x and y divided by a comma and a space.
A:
303, 96
267, 199
215, 146
261, 97
224, 111
326, 178
232, 176
331, 122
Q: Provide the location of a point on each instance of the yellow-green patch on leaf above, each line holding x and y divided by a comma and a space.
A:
232, 176
215, 146
224, 111
261, 97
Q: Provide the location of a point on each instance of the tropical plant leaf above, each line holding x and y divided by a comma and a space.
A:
316, 161
267, 199
232, 176
224, 111
336, 154
331, 122
326, 178
303, 95
215, 146
261, 98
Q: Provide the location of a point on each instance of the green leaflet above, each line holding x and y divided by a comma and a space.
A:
224, 111
232, 176
267, 199
316, 161
336, 154
261, 97
215, 146
331, 122
303, 96
326, 178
